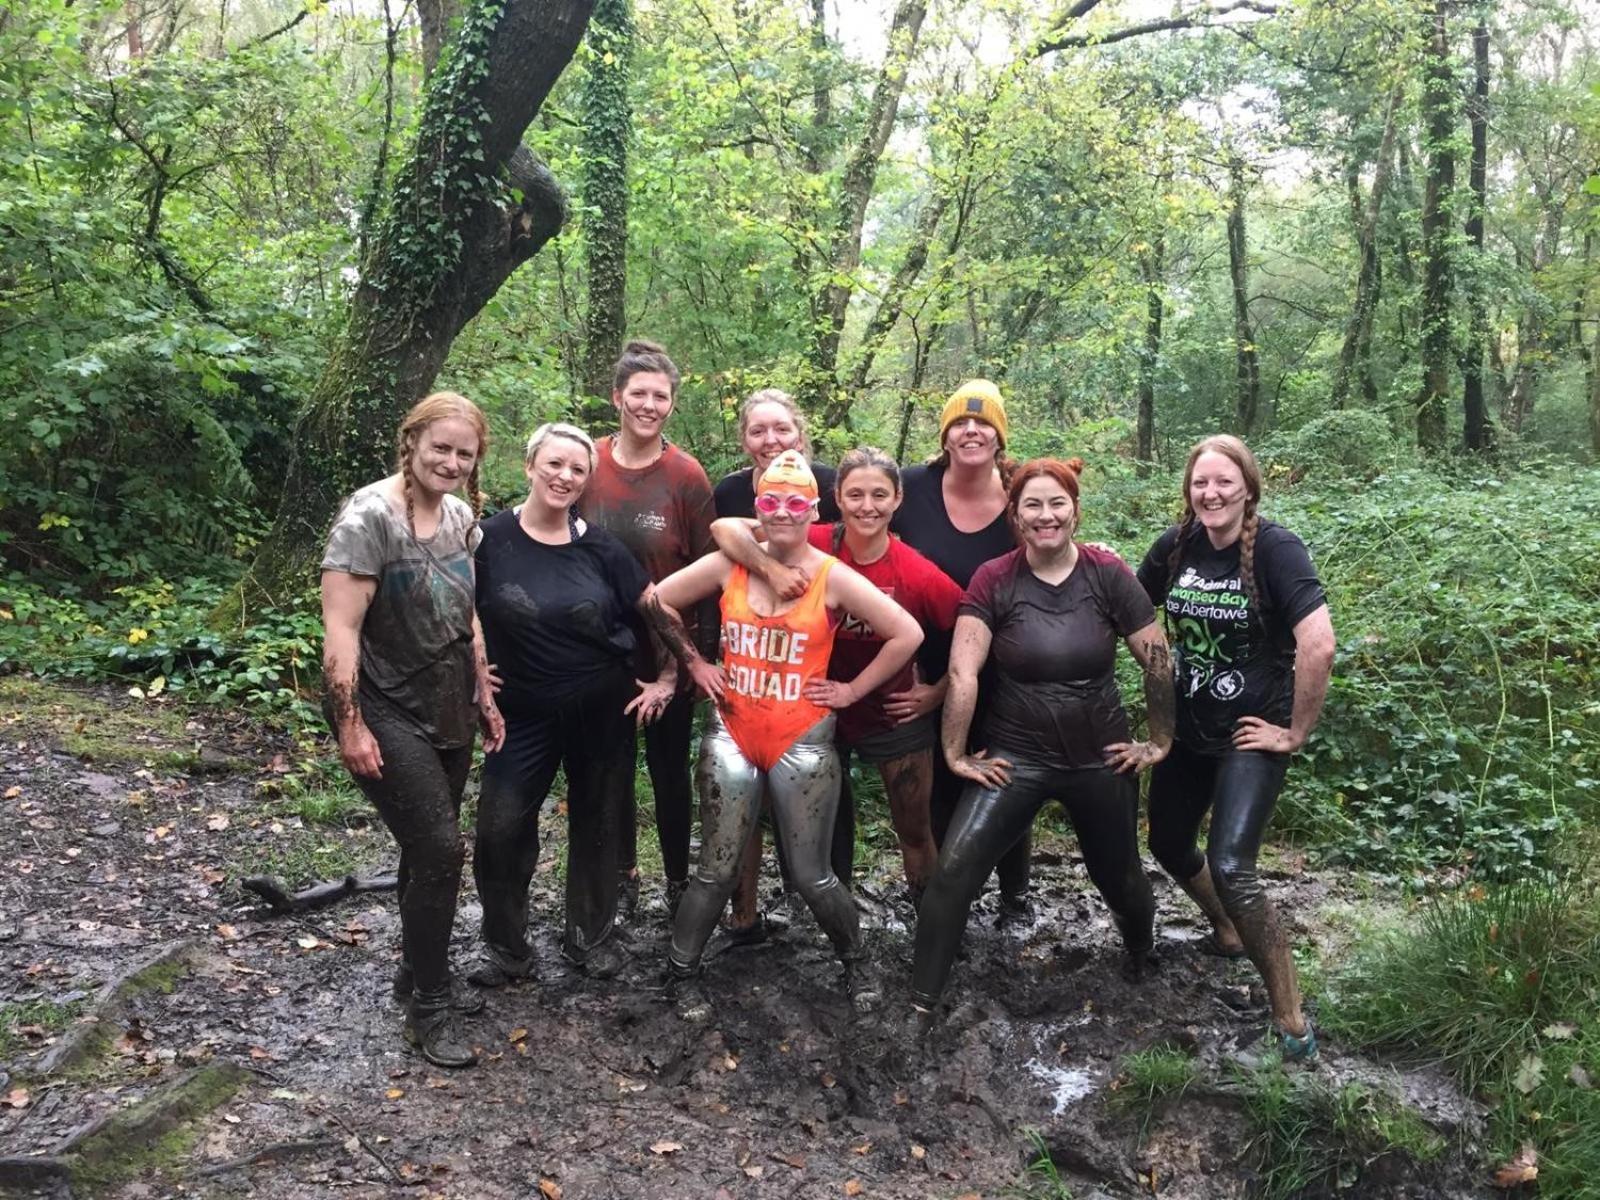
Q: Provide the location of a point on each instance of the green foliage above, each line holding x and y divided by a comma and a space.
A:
1312, 1135
1500, 985
1150, 1077
1345, 444
39, 1018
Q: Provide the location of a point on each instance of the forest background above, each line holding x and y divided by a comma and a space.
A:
239, 237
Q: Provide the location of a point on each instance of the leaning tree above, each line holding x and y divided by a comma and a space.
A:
468, 206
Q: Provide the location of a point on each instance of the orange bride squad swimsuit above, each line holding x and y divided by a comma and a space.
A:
767, 662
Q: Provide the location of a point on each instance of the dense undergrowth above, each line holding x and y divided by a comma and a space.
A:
1462, 729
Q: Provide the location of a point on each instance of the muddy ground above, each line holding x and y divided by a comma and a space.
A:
128, 823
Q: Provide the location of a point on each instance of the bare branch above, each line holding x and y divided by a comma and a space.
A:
1202, 18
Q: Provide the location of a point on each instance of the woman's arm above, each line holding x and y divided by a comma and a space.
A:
494, 726
694, 582
740, 539
899, 630
1313, 668
967, 656
1149, 647
345, 599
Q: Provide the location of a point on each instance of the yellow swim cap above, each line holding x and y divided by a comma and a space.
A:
790, 472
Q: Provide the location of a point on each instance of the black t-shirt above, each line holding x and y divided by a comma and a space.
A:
735, 494
555, 618
1232, 662
1054, 697
924, 524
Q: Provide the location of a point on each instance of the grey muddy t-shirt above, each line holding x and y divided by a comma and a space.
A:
416, 638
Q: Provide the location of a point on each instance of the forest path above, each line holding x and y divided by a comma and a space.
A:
272, 1043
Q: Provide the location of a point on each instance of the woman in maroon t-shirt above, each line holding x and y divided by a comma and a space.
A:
1049, 614
898, 742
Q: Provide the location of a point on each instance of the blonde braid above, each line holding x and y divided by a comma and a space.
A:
1247, 557
407, 444
474, 493
1175, 559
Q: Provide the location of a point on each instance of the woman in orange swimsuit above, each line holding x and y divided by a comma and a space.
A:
772, 728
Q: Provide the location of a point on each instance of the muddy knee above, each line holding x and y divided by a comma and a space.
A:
1239, 887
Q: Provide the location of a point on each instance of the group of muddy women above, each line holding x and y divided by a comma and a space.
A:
939, 622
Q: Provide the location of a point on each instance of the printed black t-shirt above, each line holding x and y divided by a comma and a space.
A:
735, 493
1228, 664
1054, 697
555, 618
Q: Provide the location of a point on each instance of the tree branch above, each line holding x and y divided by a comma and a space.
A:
1198, 19
281, 29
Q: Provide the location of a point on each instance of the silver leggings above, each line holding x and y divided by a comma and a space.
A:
803, 786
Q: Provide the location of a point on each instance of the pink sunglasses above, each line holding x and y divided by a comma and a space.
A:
772, 503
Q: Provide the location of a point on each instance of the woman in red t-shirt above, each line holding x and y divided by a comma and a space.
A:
883, 730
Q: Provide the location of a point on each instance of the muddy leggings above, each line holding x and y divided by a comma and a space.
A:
594, 739
1104, 809
419, 799
803, 787
666, 755
1240, 788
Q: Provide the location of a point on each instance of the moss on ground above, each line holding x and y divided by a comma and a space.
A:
93, 727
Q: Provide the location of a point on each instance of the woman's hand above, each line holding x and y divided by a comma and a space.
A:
918, 700
981, 769
1252, 733
358, 749
830, 693
491, 673
1123, 757
492, 724
708, 678
652, 699
786, 582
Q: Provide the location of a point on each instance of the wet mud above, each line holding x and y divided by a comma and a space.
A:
592, 1088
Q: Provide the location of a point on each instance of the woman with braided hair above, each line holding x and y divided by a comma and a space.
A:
405, 680
1253, 649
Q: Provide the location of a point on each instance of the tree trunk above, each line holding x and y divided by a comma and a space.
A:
832, 299
468, 207
821, 88
1438, 106
1478, 434
607, 125
1358, 330
1247, 367
1151, 266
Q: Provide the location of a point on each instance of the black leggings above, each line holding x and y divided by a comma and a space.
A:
1016, 864
1104, 809
666, 755
1240, 788
593, 739
419, 799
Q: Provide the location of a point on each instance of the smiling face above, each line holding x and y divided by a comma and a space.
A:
867, 499
644, 403
769, 430
558, 472
785, 529
1218, 494
444, 455
971, 442
1046, 515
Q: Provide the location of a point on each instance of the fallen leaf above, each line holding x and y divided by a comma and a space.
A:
1530, 1074
260, 1054
1580, 1078
1560, 1031
278, 765
227, 932
549, 1188
395, 1093
861, 1149
212, 875
307, 942
14, 791
901, 1099
797, 1161
828, 1080
517, 1034
852, 1187
230, 1118
730, 1062
918, 1152
16, 1098
1524, 1168
665, 1147
217, 822
753, 1172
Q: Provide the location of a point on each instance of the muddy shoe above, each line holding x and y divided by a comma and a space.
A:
750, 935
463, 999
675, 890
1016, 910
1139, 965
627, 896
497, 968
863, 985
440, 1037
916, 1027
686, 993
604, 961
